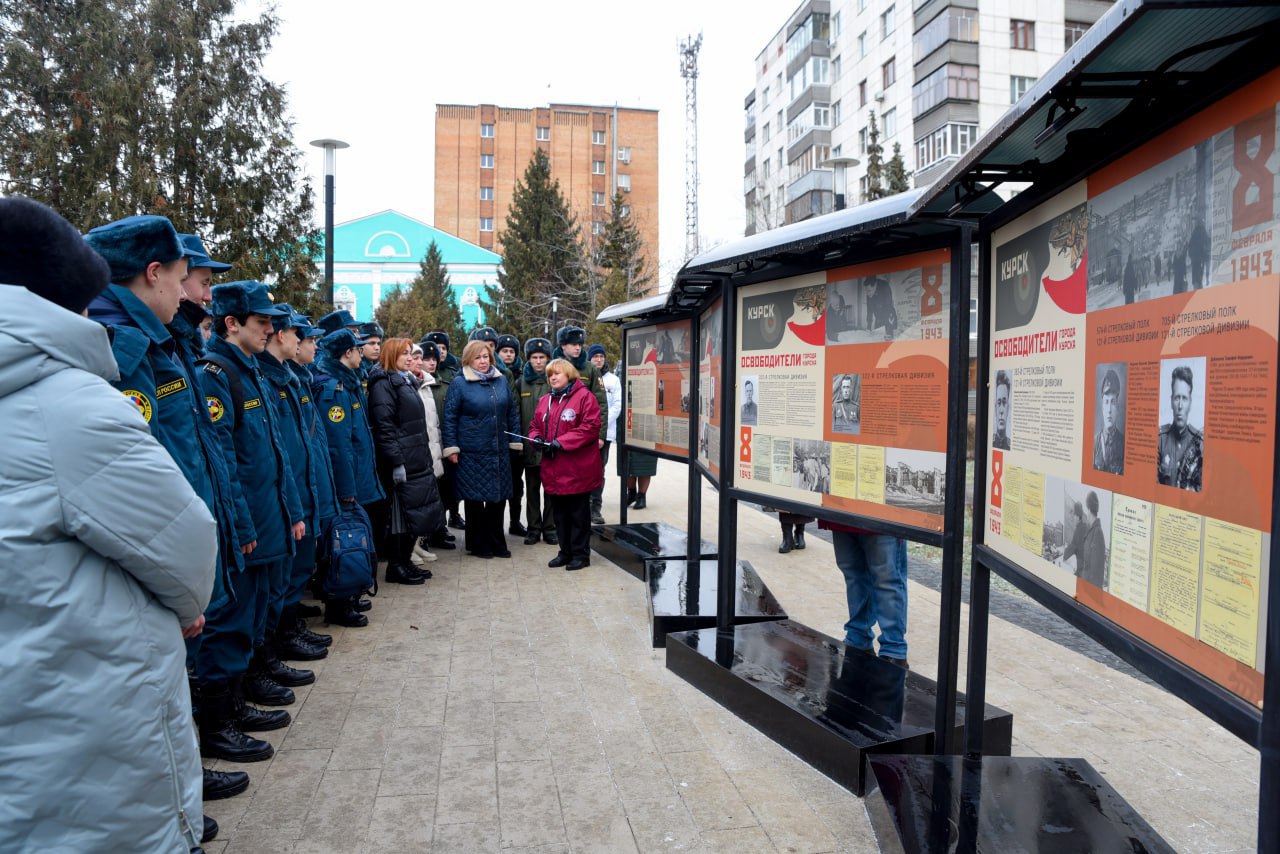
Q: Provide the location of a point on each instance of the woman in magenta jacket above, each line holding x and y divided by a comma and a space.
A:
566, 425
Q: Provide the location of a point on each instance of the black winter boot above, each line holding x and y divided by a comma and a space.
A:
220, 738
223, 784
340, 612
800, 536
290, 644
787, 543
258, 684
313, 638
283, 674
251, 719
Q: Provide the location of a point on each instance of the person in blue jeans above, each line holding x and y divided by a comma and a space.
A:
875, 580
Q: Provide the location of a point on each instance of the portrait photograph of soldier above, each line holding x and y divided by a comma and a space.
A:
1108, 418
749, 410
1180, 458
1002, 395
846, 403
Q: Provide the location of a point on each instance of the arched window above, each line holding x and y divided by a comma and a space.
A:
344, 299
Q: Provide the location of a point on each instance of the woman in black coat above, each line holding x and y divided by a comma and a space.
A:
399, 424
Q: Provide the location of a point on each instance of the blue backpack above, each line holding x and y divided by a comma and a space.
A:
348, 543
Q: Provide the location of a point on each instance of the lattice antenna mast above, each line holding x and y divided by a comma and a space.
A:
689, 71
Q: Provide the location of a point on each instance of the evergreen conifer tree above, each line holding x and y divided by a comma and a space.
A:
425, 305
875, 162
899, 180
542, 257
624, 265
121, 107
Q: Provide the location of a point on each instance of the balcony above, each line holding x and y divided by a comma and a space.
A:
811, 204
814, 179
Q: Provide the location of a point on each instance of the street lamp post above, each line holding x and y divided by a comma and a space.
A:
330, 147
555, 308
840, 167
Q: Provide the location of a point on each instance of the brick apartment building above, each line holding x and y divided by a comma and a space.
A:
483, 150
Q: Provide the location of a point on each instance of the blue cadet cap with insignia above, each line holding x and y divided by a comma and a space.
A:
596, 349
240, 298
436, 338
199, 255
511, 341
571, 335
370, 330
339, 342
335, 320
430, 350
128, 245
484, 333
537, 345
290, 320
313, 332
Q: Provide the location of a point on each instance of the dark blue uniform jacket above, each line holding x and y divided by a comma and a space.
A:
341, 401
322, 468
257, 461
153, 376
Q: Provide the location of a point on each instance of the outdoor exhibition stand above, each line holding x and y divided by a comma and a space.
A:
1126, 465
829, 380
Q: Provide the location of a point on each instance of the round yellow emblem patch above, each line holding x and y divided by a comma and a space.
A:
336, 414
139, 400
216, 409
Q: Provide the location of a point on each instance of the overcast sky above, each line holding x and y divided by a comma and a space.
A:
371, 73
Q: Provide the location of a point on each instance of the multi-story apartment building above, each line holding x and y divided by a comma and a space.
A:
936, 74
482, 152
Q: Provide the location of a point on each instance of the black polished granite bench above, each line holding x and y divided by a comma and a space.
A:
828, 704
1001, 804
680, 600
630, 545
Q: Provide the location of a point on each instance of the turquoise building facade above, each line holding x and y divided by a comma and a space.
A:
375, 255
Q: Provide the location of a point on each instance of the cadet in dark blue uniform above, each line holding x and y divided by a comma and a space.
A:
149, 264
241, 409
185, 328
370, 335
342, 406
508, 354
292, 638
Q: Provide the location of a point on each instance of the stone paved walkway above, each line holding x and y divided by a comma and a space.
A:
508, 706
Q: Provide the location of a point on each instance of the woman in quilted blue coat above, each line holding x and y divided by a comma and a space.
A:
479, 417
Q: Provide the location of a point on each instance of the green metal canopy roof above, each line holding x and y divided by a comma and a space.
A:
1143, 67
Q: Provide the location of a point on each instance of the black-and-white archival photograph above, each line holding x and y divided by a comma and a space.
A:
1002, 404
1110, 383
639, 346
846, 404
1180, 456
1077, 529
891, 306
748, 407
1149, 236
914, 479
811, 465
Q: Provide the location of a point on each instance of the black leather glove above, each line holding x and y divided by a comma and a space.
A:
555, 446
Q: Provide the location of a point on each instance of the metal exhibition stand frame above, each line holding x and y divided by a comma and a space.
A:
1175, 59
957, 240
1143, 68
